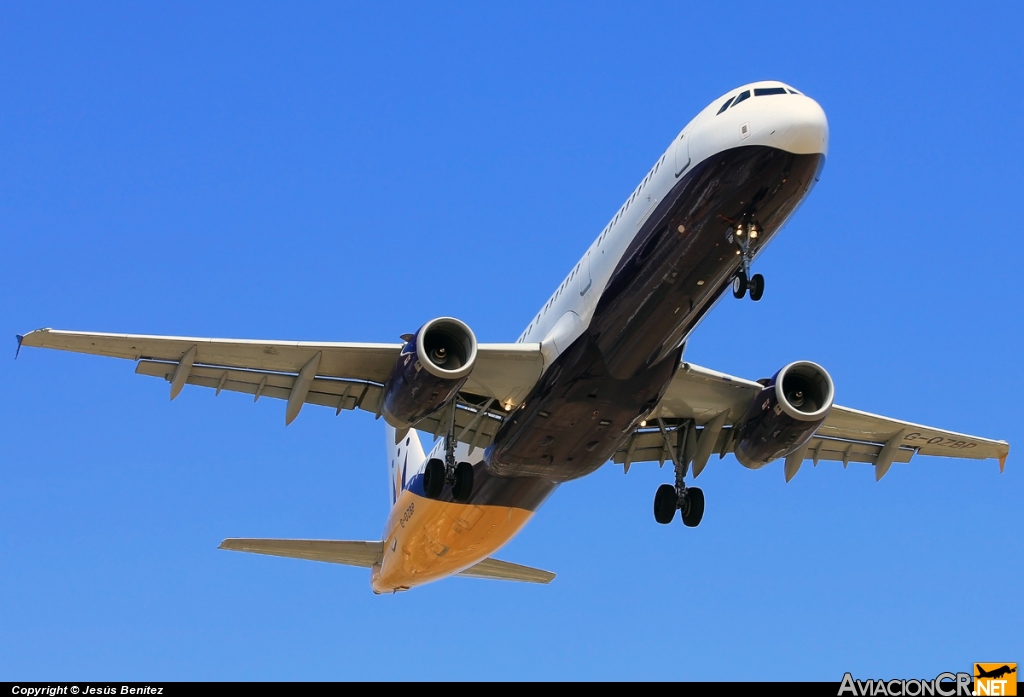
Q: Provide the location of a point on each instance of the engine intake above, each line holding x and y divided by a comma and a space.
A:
785, 414
431, 369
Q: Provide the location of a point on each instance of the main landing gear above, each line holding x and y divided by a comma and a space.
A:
440, 472
690, 503
688, 500
743, 234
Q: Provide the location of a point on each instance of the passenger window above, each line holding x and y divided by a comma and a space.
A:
745, 94
725, 106
765, 91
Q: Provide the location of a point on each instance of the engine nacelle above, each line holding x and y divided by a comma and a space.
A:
785, 414
430, 371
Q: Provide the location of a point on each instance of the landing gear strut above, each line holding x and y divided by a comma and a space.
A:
743, 281
688, 500
438, 473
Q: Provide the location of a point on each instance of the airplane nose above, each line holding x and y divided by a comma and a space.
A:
804, 128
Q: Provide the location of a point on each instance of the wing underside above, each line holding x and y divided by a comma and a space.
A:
698, 415
340, 376
695, 418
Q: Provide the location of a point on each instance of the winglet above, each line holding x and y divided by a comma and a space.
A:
34, 339
1002, 461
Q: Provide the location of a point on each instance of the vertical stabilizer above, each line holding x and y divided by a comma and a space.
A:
405, 458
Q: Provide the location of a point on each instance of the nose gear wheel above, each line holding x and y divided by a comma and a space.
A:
743, 234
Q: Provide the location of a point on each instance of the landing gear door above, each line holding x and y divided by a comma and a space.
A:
682, 154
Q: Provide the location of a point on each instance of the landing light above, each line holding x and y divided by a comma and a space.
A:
643, 424
508, 406
753, 234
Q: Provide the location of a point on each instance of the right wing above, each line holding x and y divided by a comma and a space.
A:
332, 374
698, 412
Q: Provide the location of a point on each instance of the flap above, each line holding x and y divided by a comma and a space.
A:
847, 451
851, 424
325, 392
471, 427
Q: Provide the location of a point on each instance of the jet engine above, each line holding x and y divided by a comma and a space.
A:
785, 414
431, 369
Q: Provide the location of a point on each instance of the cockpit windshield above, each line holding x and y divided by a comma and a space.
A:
758, 92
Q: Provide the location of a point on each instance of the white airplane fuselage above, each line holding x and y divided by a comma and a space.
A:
613, 331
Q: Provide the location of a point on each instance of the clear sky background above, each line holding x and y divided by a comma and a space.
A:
346, 172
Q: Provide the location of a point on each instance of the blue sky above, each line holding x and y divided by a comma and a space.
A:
340, 172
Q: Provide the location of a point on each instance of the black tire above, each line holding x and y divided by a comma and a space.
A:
739, 285
433, 479
693, 512
665, 504
463, 482
756, 287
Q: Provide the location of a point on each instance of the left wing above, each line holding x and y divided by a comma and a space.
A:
332, 374
696, 415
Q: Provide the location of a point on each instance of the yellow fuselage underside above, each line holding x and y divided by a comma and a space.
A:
427, 540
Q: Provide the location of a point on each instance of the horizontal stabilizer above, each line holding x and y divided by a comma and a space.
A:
348, 552
366, 554
507, 571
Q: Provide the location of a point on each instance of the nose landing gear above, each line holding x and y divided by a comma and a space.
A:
742, 235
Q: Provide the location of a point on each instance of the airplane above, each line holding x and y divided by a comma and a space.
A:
598, 374
996, 672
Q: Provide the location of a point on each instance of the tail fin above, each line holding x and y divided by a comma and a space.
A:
405, 458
